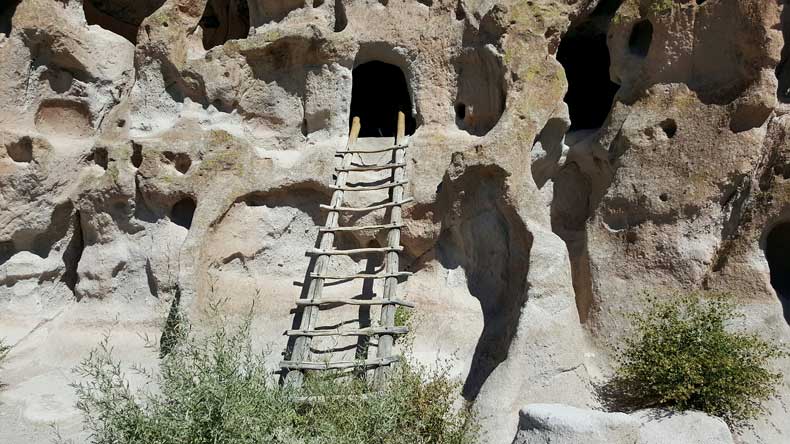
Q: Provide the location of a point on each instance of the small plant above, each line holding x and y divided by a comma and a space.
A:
216, 389
683, 357
659, 7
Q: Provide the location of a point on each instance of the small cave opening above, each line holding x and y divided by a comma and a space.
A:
640, 39
480, 98
137, 155
180, 161
20, 151
783, 68
379, 90
6, 14
183, 211
669, 127
777, 252
584, 55
224, 20
341, 19
123, 17
99, 156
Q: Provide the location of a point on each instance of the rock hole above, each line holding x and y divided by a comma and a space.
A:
607, 8
777, 251
664, 197
21, 150
99, 156
379, 90
181, 161
640, 39
427, 3
66, 118
670, 127
783, 68
73, 254
700, 2
317, 3
584, 55
460, 13
183, 211
6, 14
123, 17
224, 20
481, 88
460, 111
137, 155
341, 20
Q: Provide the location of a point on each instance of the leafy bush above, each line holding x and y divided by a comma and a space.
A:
682, 356
217, 389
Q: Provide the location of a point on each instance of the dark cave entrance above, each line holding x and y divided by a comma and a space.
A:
378, 92
584, 55
224, 20
6, 14
183, 211
783, 69
123, 17
777, 251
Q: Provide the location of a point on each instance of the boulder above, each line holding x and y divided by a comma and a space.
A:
663, 427
562, 424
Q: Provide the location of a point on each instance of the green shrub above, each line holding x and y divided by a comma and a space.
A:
217, 389
682, 356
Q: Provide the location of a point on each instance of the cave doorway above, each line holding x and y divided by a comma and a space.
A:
224, 20
183, 211
777, 251
378, 92
123, 17
584, 55
6, 14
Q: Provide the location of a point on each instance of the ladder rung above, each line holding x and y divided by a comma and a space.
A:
355, 250
370, 187
360, 275
378, 150
388, 166
339, 365
368, 331
370, 208
361, 228
349, 301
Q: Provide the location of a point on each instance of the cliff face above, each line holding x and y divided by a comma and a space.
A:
162, 154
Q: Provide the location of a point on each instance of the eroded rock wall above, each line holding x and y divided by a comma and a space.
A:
175, 152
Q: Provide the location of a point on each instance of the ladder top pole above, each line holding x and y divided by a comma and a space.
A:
354, 133
401, 128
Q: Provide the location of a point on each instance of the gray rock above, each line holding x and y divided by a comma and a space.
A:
662, 427
562, 424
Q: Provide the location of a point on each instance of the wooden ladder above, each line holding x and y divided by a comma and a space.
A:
298, 358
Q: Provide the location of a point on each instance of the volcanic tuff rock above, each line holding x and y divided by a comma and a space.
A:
166, 153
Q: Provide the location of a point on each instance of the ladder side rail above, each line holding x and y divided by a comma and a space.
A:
387, 319
309, 319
